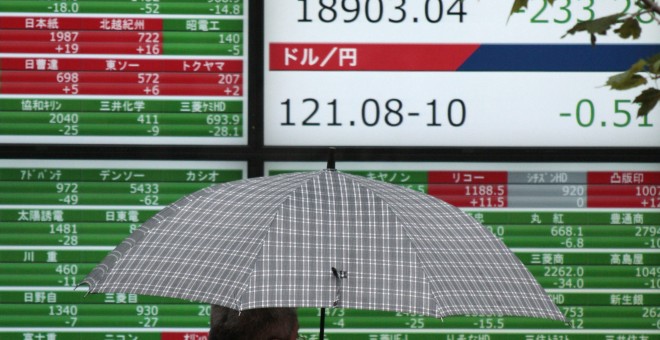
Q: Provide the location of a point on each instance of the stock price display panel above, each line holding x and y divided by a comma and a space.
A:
588, 232
58, 220
123, 72
449, 73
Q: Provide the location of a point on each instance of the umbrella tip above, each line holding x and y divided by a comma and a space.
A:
331, 159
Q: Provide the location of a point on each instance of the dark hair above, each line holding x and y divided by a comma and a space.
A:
252, 324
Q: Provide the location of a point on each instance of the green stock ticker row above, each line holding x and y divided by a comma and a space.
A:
629, 278
61, 296
161, 7
140, 106
538, 242
553, 258
623, 321
123, 130
174, 118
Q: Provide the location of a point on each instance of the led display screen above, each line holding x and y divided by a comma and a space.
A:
449, 73
124, 72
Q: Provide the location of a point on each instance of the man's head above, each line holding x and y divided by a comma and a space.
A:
253, 324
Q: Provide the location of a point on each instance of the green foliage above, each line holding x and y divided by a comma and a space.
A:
597, 26
520, 4
633, 78
654, 65
628, 27
648, 100
629, 79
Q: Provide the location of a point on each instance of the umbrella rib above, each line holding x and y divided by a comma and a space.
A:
311, 176
366, 186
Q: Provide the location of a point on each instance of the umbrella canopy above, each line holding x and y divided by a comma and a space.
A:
323, 239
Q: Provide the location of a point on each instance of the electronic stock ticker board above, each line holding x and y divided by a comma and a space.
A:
416, 73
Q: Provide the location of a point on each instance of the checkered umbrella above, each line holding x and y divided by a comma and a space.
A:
322, 239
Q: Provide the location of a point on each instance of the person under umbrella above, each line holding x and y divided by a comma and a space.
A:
323, 239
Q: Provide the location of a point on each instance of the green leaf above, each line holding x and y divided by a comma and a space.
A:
518, 5
626, 83
629, 28
654, 64
596, 26
655, 67
648, 100
629, 79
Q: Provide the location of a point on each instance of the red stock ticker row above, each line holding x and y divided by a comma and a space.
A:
73, 48
502, 177
42, 36
122, 89
121, 65
81, 24
109, 76
489, 189
57, 41
121, 77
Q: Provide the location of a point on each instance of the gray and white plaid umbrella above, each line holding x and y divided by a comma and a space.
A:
322, 239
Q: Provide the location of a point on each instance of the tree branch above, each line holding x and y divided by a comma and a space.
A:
652, 5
